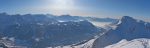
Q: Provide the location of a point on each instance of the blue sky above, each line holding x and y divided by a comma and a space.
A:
98, 8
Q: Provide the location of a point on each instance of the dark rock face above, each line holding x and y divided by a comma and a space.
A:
3, 45
129, 29
40, 31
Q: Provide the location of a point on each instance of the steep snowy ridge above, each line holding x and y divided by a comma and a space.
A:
128, 29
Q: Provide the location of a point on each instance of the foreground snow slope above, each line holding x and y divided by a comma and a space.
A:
88, 44
136, 43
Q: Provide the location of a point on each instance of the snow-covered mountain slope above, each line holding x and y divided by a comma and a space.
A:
40, 31
87, 44
136, 43
127, 28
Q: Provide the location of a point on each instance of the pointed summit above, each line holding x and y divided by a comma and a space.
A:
127, 19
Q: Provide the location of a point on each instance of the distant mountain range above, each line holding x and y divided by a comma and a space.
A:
101, 19
40, 31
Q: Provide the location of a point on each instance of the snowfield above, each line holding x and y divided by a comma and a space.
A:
88, 44
136, 43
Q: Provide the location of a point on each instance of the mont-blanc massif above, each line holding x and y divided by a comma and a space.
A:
74, 24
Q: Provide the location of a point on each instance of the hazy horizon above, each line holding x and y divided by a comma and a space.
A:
96, 8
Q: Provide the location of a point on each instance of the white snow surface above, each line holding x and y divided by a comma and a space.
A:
136, 43
88, 44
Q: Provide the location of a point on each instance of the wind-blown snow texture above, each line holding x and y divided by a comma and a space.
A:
128, 29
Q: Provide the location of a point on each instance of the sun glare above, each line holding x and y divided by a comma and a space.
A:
59, 7
62, 4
